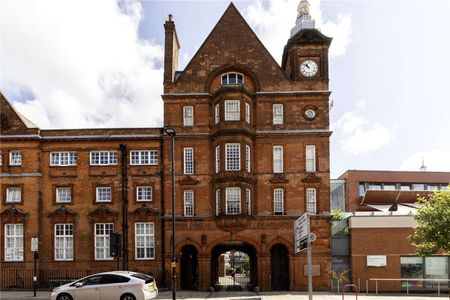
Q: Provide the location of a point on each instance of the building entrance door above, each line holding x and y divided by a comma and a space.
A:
189, 268
279, 266
233, 267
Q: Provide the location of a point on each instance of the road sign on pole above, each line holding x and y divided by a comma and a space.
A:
301, 233
302, 242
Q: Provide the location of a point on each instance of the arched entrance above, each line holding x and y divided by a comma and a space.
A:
279, 268
189, 268
234, 266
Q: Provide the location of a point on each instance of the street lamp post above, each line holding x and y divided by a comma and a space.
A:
171, 132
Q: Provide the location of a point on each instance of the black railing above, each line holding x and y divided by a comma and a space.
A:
48, 278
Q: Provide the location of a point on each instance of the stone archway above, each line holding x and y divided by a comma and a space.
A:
233, 266
189, 270
279, 268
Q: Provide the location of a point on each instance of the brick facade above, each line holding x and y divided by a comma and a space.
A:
386, 233
266, 237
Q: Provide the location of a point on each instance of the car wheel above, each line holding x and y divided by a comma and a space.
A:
127, 297
64, 297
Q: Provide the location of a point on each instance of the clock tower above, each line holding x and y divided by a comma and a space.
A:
305, 56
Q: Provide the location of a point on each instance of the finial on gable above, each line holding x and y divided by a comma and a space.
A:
304, 19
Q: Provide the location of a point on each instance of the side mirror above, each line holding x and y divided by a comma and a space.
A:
79, 284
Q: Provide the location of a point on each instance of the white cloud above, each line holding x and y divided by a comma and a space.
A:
83, 61
357, 134
273, 21
437, 160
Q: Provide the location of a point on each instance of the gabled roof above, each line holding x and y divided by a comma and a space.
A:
231, 41
12, 121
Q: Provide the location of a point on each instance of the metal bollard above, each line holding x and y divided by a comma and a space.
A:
376, 287
439, 288
407, 287
367, 287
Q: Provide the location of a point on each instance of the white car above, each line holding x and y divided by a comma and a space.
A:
116, 285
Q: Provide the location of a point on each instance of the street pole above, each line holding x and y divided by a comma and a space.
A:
35, 254
171, 132
174, 257
310, 287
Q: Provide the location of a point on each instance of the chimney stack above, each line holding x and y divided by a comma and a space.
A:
171, 49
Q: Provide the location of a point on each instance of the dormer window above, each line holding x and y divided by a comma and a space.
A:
232, 78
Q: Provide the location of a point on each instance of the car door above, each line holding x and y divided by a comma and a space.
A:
89, 289
112, 287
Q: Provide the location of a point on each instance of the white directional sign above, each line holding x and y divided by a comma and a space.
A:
34, 244
301, 233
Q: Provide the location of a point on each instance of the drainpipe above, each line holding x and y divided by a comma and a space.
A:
123, 148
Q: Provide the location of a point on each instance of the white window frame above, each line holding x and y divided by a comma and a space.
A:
15, 158
248, 201
310, 155
232, 110
143, 157
277, 114
144, 241
217, 202
247, 112
311, 200
66, 245
227, 78
102, 233
144, 193
63, 194
13, 194
232, 163
100, 194
233, 200
278, 201
13, 242
63, 158
217, 158
188, 161
103, 158
217, 113
189, 208
247, 158
278, 159
188, 116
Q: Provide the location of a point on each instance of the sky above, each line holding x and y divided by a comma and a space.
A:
84, 64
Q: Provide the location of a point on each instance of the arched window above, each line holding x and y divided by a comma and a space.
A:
232, 78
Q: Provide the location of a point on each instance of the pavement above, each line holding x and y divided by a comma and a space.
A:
45, 295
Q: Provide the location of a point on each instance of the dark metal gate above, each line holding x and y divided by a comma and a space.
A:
279, 266
189, 268
234, 267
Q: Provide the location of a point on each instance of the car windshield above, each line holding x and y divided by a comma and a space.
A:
147, 278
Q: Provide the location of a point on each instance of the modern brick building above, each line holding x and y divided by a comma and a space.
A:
251, 155
380, 226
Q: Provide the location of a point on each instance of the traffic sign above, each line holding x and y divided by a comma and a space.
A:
301, 233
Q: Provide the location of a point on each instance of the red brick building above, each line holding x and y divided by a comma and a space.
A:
251, 155
382, 203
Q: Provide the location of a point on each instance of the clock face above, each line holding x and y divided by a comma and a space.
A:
310, 113
309, 68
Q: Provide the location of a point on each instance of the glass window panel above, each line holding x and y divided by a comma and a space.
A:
233, 157
418, 186
233, 200
188, 161
311, 200
278, 159
310, 158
